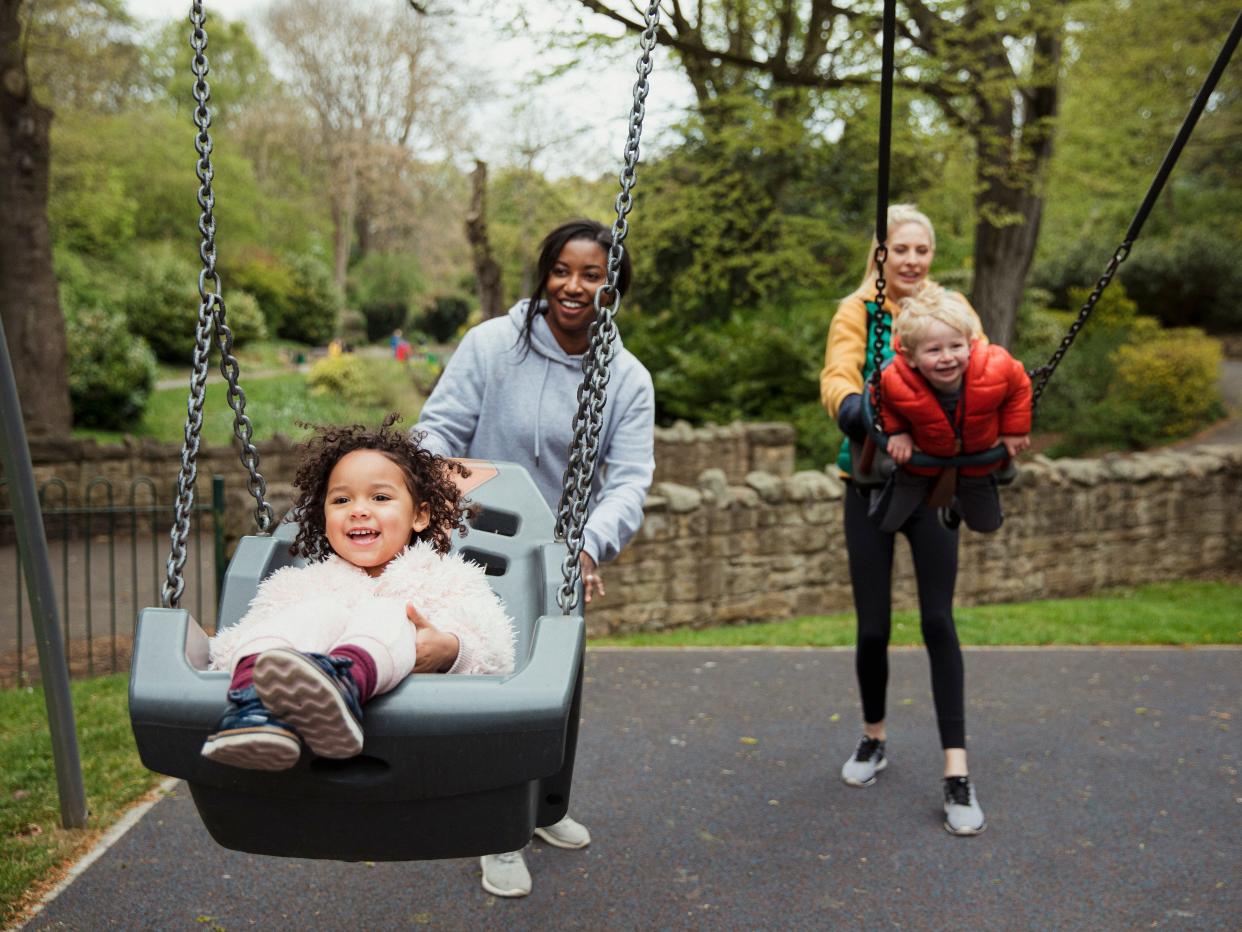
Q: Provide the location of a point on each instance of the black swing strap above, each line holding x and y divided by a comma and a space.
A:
1044, 372
881, 332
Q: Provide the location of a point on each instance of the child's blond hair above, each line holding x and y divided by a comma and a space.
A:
932, 303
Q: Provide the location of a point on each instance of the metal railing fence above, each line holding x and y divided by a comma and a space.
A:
108, 554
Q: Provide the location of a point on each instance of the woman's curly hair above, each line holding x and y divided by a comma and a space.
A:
428, 477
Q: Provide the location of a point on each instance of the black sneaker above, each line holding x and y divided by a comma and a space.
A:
867, 760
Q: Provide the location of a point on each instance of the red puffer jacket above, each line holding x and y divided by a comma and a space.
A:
995, 400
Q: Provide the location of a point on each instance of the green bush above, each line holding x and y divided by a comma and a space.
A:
270, 280
384, 277
382, 319
346, 376
313, 304
244, 318
1193, 278
111, 372
443, 316
756, 366
1165, 387
162, 302
297, 296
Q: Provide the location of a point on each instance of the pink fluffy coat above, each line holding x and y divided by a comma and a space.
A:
330, 603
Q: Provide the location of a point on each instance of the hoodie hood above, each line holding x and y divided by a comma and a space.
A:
542, 340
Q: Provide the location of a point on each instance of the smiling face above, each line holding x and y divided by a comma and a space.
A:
941, 356
575, 276
369, 512
910, 253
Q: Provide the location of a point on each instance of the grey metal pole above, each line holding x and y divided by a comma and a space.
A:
32, 544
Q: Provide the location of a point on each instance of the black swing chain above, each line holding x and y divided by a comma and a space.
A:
1044, 373
211, 321
883, 321
883, 327
589, 419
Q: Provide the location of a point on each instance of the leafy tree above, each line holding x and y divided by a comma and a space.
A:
85, 54
370, 77
29, 306
991, 68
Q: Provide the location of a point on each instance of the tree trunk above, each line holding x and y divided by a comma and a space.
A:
1003, 254
1013, 139
28, 298
486, 268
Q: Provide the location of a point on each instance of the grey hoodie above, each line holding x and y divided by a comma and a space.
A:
495, 402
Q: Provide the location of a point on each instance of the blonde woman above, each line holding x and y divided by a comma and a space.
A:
848, 361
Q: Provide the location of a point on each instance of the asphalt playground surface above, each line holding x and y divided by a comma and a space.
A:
709, 780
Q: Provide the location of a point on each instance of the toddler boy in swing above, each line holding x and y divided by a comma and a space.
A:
382, 597
948, 392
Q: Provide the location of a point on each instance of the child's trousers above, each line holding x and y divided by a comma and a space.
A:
381, 628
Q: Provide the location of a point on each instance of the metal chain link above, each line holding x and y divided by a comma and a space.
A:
211, 321
882, 328
1044, 372
589, 419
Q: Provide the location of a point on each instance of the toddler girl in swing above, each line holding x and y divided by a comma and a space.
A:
948, 392
381, 598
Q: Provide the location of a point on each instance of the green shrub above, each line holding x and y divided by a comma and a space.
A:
345, 376
756, 366
313, 304
88, 283
1165, 387
297, 296
270, 280
384, 277
353, 327
245, 320
162, 302
443, 316
111, 372
382, 319
1193, 278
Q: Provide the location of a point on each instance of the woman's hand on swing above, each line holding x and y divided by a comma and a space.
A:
436, 650
1015, 443
900, 448
592, 582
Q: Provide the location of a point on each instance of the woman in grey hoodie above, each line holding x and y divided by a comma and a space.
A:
509, 392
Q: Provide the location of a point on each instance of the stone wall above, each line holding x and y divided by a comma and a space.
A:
772, 547
732, 534
683, 452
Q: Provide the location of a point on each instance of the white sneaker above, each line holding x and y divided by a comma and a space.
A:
505, 874
962, 813
565, 834
867, 760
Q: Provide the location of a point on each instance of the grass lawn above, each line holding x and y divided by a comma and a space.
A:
34, 850
1197, 612
274, 404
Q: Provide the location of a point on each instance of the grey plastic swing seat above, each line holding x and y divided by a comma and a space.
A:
452, 766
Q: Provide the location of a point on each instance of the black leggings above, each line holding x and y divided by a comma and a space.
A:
871, 574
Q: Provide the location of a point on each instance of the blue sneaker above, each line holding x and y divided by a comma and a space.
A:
316, 695
248, 735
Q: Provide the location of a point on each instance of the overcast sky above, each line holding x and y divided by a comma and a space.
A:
593, 113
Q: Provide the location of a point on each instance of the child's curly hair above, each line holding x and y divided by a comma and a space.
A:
428, 477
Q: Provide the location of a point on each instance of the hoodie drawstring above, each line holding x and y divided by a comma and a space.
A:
547, 365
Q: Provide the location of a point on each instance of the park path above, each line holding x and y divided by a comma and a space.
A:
709, 780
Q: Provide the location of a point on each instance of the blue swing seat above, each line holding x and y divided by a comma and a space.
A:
452, 766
